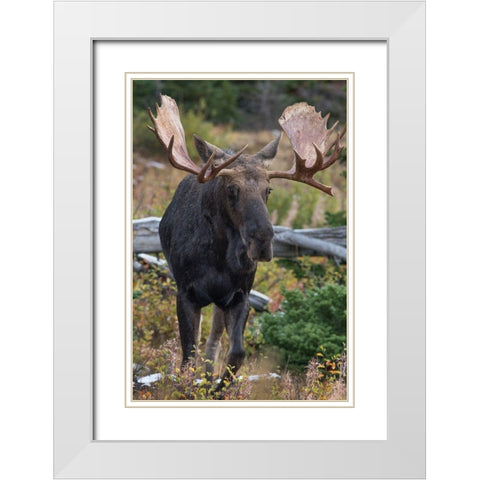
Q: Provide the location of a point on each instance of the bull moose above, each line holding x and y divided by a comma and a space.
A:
217, 226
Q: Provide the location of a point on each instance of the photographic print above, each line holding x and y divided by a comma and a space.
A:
239, 212
116, 293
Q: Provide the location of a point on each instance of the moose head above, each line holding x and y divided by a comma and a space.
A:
217, 226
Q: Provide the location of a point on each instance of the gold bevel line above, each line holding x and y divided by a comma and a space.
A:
350, 265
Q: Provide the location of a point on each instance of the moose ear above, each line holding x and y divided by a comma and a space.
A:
206, 149
268, 152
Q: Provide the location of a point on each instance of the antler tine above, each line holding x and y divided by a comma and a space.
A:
338, 137
319, 160
337, 149
219, 169
202, 176
301, 173
181, 166
308, 133
169, 131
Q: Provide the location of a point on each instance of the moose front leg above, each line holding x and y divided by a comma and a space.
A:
218, 326
235, 321
189, 318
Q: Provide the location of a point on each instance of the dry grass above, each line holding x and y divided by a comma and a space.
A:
254, 383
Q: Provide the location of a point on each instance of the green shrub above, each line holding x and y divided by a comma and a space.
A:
315, 271
336, 219
154, 314
308, 323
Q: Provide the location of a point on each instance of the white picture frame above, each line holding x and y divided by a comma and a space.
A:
77, 25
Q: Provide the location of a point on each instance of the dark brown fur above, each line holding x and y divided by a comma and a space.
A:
213, 234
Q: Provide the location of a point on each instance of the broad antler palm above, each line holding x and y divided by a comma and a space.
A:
169, 130
311, 141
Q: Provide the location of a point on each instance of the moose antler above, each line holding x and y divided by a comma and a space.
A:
311, 141
169, 130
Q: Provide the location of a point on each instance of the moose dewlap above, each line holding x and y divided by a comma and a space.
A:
217, 226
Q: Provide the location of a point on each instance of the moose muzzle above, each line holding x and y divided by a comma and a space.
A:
260, 248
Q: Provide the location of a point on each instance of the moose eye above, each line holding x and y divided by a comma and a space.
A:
233, 192
269, 190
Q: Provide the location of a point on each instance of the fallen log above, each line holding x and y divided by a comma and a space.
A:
287, 243
305, 242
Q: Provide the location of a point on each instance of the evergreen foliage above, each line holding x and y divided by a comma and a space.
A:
308, 323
